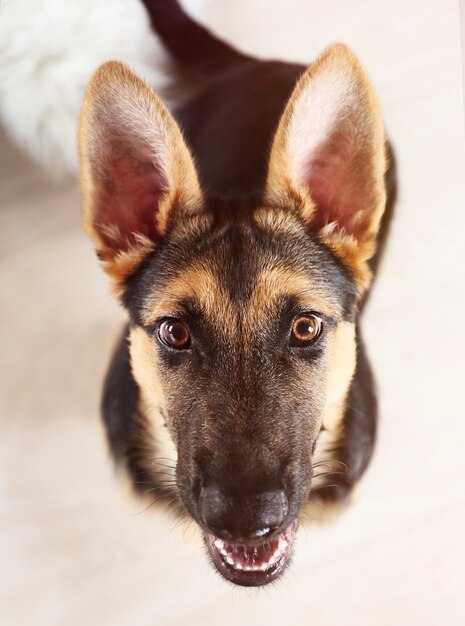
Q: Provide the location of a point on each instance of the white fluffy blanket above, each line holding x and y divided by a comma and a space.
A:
48, 50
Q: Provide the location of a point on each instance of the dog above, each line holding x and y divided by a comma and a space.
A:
239, 233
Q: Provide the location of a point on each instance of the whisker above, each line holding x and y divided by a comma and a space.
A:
317, 465
330, 463
323, 487
329, 474
310, 518
146, 508
325, 511
172, 501
163, 462
359, 411
162, 488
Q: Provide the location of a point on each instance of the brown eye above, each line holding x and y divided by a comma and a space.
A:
306, 329
175, 334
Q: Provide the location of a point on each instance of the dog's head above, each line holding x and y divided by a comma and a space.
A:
242, 313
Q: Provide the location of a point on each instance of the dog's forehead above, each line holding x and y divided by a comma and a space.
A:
241, 272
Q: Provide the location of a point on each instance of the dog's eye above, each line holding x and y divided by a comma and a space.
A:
306, 329
175, 334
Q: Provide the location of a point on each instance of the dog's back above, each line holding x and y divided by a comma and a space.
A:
235, 104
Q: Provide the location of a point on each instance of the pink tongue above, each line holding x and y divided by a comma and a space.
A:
253, 555
261, 556
250, 556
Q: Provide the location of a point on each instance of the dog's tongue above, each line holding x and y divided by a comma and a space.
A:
253, 557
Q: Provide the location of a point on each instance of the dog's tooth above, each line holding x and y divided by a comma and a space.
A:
238, 566
264, 566
224, 552
247, 568
272, 561
219, 543
229, 560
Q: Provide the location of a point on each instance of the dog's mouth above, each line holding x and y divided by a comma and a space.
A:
252, 565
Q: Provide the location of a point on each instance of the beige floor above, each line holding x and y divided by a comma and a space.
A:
74, 552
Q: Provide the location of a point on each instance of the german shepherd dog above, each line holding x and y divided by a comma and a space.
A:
239, 234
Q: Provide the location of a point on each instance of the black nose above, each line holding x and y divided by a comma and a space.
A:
245, 518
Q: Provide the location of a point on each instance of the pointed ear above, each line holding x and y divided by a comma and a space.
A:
137, 173
328, 156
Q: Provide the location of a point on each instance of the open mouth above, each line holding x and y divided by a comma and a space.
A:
252, 565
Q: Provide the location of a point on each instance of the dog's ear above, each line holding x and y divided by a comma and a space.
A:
137, 173
328, 158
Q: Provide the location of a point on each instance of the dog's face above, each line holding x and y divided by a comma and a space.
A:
242, 339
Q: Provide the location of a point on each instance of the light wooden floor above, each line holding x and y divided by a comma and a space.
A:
74, 552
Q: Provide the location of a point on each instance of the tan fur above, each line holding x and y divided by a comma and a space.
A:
122, 265
158, 448
342, 361
197, 282
145, 369
200, 284
336, 76
277, 281
116, 98
278, 220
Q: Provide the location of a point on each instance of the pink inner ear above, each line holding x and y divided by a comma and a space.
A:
128, 194
337, 186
